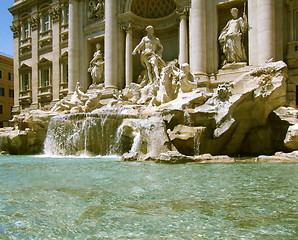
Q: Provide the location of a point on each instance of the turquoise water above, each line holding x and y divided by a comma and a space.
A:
97, 198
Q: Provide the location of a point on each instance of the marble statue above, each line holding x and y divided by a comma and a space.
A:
174, 80
78, 98
168, 87
186, 79
96, 67
96, 8
93, 102
151, 50
231, 38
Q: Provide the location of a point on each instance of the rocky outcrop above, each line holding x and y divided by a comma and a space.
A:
149, 136
28, 135
187, 139
243, 117
238, 113
286, 127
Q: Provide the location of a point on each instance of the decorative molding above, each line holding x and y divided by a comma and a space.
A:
127, 27
16, 30
34, 21
55, 14
183, 11
153, 8
96, 9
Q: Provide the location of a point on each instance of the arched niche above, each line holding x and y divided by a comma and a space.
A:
161, 14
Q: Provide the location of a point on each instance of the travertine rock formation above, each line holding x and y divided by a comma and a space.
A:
243, 117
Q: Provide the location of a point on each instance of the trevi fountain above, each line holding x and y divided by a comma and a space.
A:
86, 168
167, 116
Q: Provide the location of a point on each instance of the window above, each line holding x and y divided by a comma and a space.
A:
45, 76
11, 93
1, 109
2, 92
26, 30
46, 22
10, 76
0, 74
25, 82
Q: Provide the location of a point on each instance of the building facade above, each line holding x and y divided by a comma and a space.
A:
6, 90
54, 42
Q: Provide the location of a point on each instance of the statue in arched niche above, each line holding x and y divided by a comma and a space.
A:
231, 38
96, 67
151, 50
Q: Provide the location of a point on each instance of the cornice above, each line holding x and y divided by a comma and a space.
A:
21, 4
139, 23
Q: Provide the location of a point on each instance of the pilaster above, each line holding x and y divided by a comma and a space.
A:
55, 16
35, 60
74, 56
16, 65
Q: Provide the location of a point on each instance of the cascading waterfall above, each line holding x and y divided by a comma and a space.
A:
92, 134
196, 139
136, 143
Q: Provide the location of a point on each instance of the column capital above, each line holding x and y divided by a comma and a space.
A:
34, 21
55, 13
183, 12
15, 28
291, 5
127, 27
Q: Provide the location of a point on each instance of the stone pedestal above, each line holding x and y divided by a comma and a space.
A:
230, 73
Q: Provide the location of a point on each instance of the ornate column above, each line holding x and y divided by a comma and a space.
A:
34, 22
73, 45
198, 38
183, 37
291, 9
111, 46
121, 58
15, 28
266, 30
55, 16
128, 56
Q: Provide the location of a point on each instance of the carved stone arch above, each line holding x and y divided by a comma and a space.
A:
42, 6
24, 14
